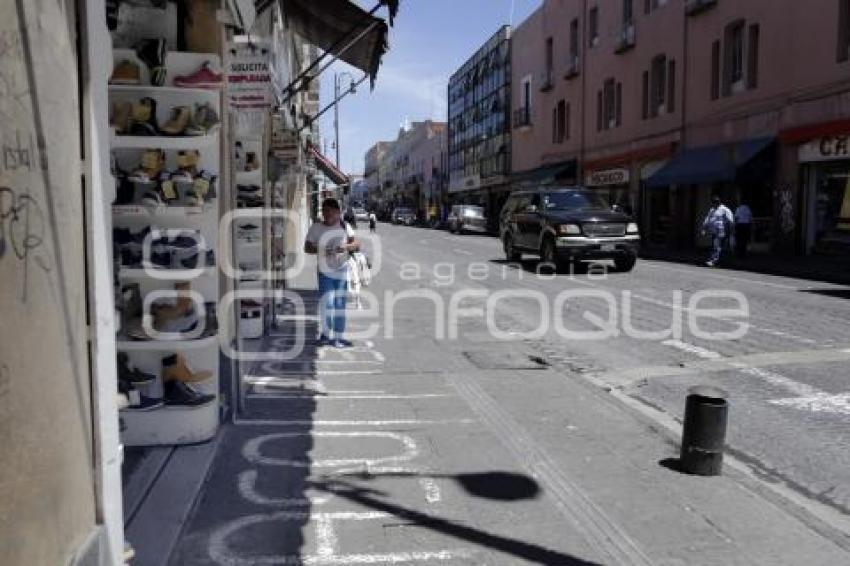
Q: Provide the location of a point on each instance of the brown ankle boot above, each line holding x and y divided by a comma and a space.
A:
175, 367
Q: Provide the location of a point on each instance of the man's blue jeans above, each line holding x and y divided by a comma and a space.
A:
333, 293
718, 243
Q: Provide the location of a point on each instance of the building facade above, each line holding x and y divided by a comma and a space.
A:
661, 104
479, 136
403, 171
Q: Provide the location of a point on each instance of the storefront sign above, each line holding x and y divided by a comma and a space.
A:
248, 79
607, 177
285, 142
830, 148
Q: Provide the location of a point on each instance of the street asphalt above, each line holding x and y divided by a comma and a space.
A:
509, 437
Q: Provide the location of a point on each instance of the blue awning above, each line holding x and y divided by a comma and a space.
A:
708, 164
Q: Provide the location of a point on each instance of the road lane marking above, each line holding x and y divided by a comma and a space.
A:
247, 486
807, 397
385, 423
432, 490
252, 452
336, 397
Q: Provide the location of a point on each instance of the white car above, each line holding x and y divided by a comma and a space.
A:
361, 215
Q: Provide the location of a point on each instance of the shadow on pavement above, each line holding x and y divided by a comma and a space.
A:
834, 293
491, 485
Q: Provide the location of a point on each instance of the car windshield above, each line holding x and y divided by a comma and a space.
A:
573, 200
474, 211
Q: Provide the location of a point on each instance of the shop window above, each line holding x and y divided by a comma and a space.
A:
618, 105
599, 116
843, 30
628, 12
658, 90
561, 117
753, 57
671, 86
593, 25
715, 70
574, 40
650, 6
645, 96
733, 68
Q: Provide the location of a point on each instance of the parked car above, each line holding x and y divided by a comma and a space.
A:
563, 225
404, 216
361, 214
467, 218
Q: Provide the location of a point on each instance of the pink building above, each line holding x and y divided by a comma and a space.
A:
662, 103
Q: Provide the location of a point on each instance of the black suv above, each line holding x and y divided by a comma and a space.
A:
563, 225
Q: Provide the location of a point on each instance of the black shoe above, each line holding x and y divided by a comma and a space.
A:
137, 401
129, 373
152, 53
179, 394
248, 189
131, 258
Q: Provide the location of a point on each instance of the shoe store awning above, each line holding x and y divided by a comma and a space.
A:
719, 163
328, 168
332, 25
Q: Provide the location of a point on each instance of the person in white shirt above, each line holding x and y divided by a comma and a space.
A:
743, 228
373, 222
332, 240
718, 222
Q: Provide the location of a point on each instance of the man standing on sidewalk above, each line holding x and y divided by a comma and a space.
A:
718, 222
332, 240
743, 228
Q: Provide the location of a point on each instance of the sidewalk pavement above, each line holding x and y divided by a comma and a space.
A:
824, 268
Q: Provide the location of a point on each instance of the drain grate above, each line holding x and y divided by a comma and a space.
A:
500, 359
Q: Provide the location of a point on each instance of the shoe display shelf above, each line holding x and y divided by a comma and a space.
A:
171, 424
166, 424
247, 162
167, 97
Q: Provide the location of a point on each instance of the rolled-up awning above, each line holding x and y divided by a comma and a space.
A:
328, 168
712, 164
333, 24
547, 174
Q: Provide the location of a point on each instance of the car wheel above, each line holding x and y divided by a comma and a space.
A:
625, 264
549, 255
510, 251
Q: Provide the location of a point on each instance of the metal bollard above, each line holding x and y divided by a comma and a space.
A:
704, 431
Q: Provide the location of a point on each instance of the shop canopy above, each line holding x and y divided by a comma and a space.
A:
719, 163
342, 29
328, 168
548, 174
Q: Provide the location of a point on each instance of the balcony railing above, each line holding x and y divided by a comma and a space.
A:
573, 68
694, 7
546, 82
627, 38
522, 118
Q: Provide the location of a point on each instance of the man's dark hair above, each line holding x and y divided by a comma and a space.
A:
331, 203
716, 199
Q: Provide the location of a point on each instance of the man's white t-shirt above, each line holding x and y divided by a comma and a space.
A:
327, 239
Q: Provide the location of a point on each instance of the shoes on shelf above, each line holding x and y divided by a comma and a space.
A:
204, 77
176, 368
126, 73
204, 121
210, 317
205, 186
121, 117
176, 125
248, 189
144, 122
179, 394
150, 168
135, 400
152, 53
129, 373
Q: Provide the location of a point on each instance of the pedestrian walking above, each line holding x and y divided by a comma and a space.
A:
718, 223
332, 240
373, 222
743, 228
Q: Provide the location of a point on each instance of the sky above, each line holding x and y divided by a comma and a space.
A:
429, 41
